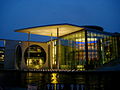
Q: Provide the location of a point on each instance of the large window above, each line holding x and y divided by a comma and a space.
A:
2, 50
102, 48
2, 53
85, 49
35, 57
72, 49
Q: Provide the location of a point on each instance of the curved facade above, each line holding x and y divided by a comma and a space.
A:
21, 55
35, 57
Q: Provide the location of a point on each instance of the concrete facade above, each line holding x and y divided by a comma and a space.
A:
10, 53
10, 47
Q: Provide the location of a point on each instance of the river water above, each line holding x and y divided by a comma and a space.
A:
59, 81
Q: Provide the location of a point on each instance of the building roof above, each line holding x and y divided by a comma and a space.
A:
47, 30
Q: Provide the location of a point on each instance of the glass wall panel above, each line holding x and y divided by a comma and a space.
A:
101, 48
73, 51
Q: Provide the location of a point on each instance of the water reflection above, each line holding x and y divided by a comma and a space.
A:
58, 81
54, 78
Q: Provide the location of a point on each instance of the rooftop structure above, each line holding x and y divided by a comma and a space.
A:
48, 29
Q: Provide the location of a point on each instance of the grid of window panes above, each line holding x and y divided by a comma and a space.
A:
102, 48
72, 49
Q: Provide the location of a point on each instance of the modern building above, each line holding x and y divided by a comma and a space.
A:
74, 47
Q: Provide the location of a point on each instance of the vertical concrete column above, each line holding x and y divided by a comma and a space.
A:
28, 46
50, 53
57, 49
86, 50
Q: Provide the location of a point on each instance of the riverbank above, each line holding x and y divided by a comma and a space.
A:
115, 68
107, 69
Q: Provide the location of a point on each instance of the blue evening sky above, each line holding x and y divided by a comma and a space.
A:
18, 14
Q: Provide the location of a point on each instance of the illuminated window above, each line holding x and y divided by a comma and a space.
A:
1, 54
35, 57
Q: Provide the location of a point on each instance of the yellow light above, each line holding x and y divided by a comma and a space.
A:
91, 39
47, 30
81, 40
54, 78
88, 39
37, 67
80, 67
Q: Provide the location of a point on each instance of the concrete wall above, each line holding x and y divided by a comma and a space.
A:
10, 47
24, 46
10, 53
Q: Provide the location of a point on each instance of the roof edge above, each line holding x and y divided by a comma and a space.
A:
47, 25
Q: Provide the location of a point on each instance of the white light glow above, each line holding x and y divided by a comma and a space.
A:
88, 39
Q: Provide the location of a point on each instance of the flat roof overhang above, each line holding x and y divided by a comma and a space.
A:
47, 30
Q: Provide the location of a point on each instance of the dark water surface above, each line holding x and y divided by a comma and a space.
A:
59, 81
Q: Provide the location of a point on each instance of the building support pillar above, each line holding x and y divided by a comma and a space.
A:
57, 49
86, 51
50, 58
28, 42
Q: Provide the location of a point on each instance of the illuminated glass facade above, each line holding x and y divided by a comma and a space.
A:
85, 49
74, 47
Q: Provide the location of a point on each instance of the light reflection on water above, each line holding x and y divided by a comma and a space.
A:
58, 81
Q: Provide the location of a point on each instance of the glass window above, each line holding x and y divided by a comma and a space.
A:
35, 57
